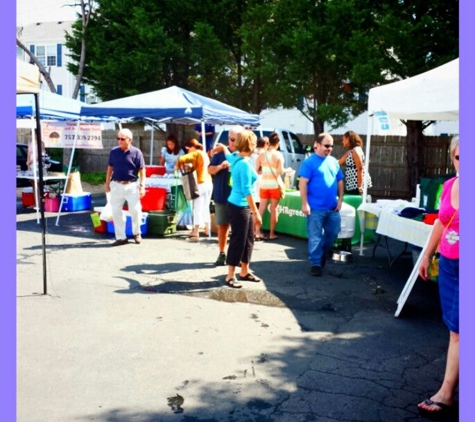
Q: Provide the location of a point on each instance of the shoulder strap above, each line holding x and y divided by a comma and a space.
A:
272, 171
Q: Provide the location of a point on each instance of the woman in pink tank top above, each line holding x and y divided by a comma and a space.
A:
445, 237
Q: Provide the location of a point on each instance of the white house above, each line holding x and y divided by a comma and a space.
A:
46, 40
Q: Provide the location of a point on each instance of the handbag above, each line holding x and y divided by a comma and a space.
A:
434, 267
279, 181
106, 213
190, 185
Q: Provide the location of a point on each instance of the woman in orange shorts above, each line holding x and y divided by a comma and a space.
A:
271, 165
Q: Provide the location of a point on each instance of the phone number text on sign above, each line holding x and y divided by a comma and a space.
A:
67, 135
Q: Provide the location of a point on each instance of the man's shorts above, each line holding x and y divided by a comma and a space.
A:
269, 193
220, 214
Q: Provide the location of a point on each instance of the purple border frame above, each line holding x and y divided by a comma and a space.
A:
467, 289
8, 214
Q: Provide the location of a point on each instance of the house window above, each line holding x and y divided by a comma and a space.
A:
46, 54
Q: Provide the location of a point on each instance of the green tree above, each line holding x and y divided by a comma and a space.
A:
321, 56
418, 36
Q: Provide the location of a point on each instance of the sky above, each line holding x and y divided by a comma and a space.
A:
31, 11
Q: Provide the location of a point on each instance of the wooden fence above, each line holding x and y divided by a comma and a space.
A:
388, 165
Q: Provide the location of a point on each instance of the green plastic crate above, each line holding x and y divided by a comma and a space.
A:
162, 222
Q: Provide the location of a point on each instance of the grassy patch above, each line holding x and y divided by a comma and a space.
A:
94, 178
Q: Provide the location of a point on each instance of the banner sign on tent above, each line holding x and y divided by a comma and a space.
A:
383, 120
57, 134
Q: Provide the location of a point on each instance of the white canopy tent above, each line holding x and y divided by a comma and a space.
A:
433, 95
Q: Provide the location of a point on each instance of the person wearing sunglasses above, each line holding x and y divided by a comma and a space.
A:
125, 181
444, 238
220, 169
321, 191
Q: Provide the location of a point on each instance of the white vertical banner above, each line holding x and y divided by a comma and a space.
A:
59, 134
383, 121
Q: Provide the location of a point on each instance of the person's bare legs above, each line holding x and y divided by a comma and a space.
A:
223, 231
446, 392
262, 210
273, 217
244, 269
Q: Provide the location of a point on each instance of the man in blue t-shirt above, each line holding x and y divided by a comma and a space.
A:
209, 135
219, 168
321, 190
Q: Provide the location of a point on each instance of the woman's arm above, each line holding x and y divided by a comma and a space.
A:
434, 240
186, 162
280, 164
220, 148
342, 160
359, 168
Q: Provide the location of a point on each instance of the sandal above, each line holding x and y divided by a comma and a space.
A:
249, 277
260, 237
232, 282
444, 410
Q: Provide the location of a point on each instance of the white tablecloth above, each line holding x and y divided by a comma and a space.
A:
403, 229
381, 217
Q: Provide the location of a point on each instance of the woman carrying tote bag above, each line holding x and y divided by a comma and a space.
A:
197, 160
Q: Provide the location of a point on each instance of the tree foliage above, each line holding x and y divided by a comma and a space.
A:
319, 55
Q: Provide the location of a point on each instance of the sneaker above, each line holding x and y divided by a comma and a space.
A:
221, 259
120, 242
137, 238
316, 271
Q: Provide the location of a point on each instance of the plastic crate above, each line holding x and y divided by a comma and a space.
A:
27, 197
76, 202
128, 224
154, 199
52, 204
100, 226
150, 170
162, 222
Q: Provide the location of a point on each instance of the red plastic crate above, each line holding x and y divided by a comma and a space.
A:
149, 170
154, 199
103, 227
27, 197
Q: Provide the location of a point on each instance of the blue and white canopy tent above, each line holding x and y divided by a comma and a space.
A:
171, 105
50, 106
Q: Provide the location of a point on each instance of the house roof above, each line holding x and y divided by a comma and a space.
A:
44, 31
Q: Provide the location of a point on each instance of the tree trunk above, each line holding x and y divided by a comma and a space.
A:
414, 159
317, 127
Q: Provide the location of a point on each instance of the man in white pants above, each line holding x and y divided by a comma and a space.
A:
125, 180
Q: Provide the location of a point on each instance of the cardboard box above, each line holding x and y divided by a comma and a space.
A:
76, 202
128, 224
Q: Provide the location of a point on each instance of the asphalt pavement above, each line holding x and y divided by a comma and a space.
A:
151, 333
